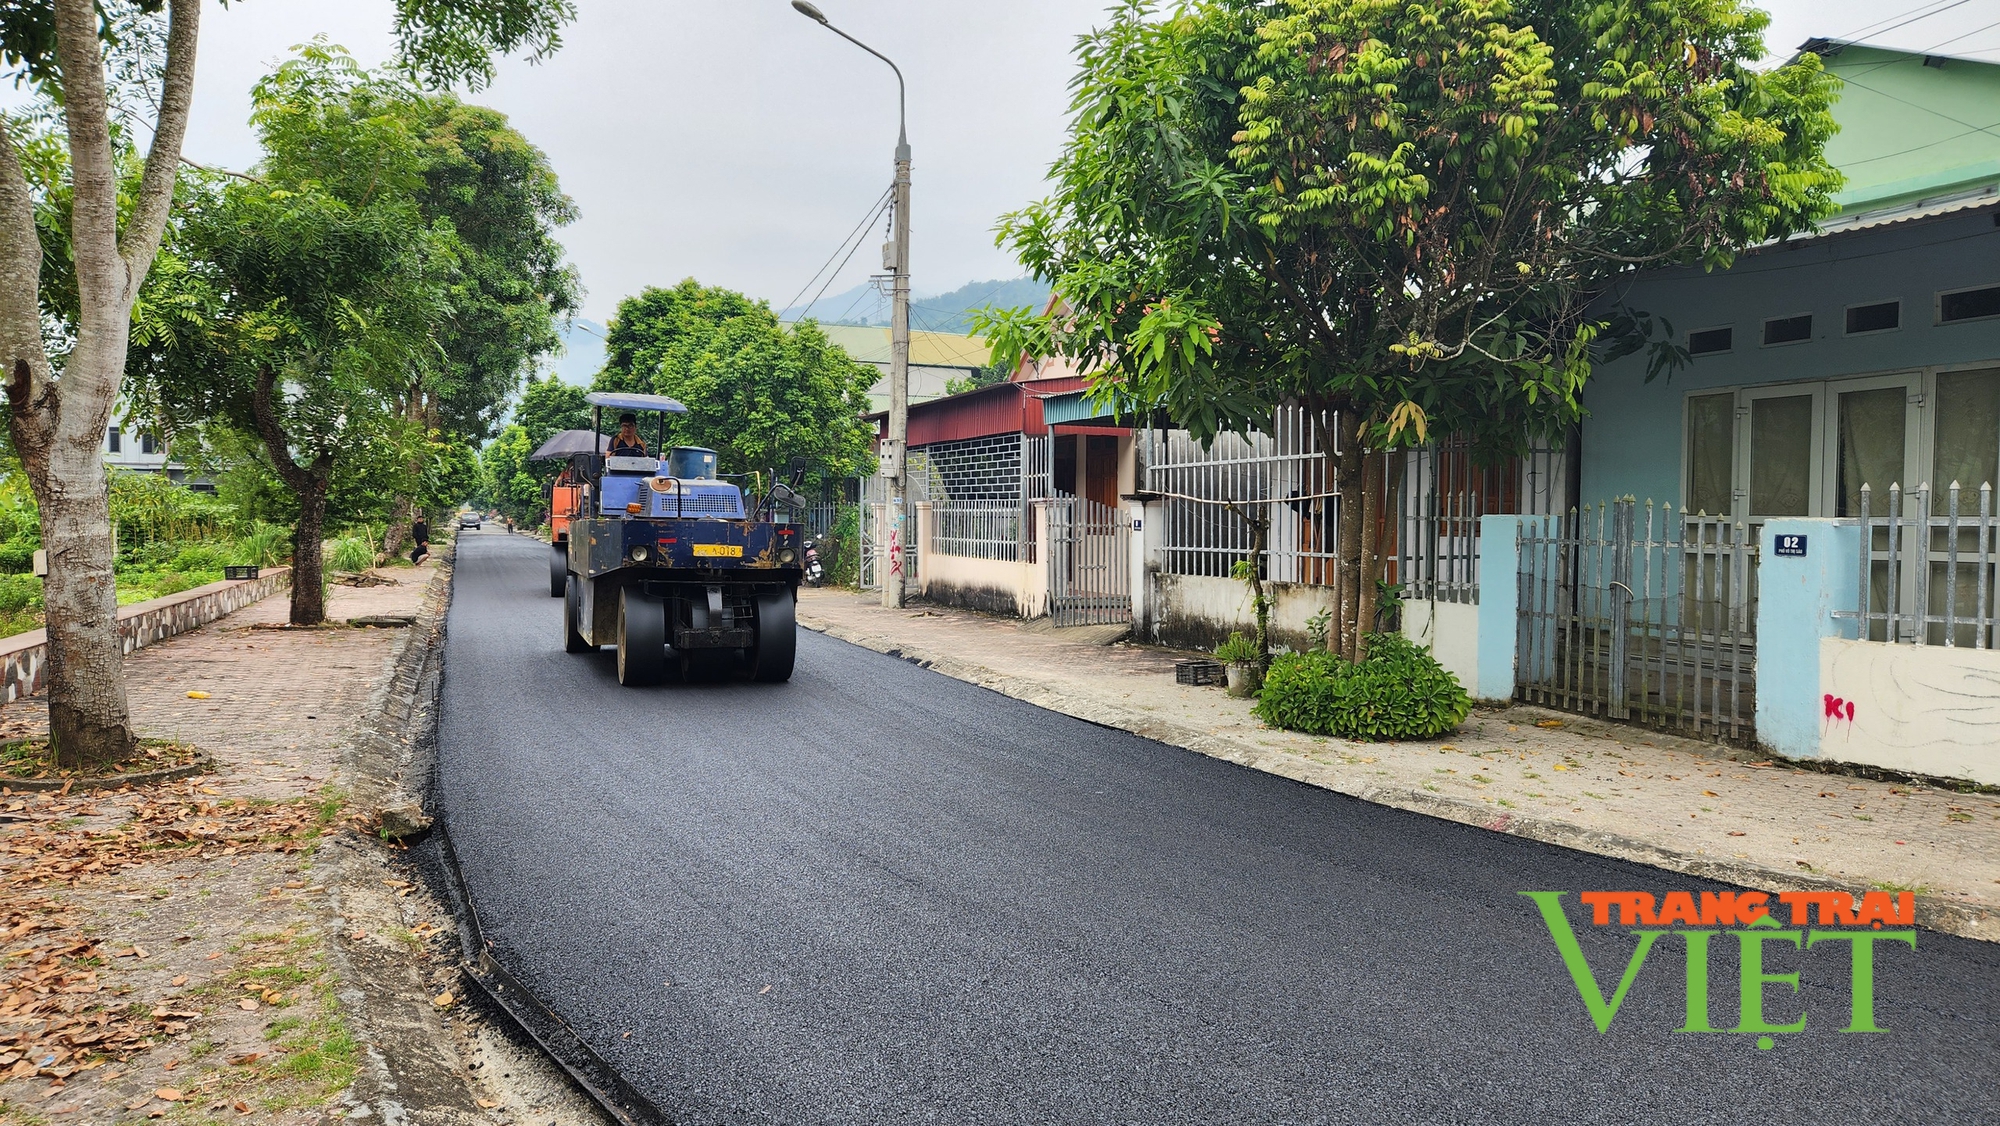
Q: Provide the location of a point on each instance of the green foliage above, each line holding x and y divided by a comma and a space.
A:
987, 376
264, 545
351, 553
1399, 692
548, 407
20, 592
508, 480
1400, 211
149, 508
445, 41
757, 392
1237, 649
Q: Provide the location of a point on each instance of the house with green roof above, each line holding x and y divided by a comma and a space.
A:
1865, 353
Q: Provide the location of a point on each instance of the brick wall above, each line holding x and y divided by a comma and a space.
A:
24, 657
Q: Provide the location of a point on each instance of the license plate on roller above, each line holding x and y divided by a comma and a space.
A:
718, 550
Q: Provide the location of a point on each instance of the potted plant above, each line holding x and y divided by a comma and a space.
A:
1239, 658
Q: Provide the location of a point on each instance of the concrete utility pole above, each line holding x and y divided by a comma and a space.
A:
894, 567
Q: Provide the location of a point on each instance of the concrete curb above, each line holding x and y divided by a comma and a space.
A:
1939, 914
391, 759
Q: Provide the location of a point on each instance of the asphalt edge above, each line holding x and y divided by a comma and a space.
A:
394, 754
1946, 916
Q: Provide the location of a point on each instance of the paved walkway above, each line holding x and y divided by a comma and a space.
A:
1599, 787
280, 701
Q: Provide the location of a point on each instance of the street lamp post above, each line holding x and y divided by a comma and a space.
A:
902, 528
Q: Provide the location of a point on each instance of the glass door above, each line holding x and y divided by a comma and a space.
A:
1780, 460
1876, 438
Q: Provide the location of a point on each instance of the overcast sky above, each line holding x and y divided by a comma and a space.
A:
737, 142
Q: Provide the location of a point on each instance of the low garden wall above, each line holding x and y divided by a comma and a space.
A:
24, 657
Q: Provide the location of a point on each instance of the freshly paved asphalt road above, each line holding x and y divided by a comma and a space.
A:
878, 895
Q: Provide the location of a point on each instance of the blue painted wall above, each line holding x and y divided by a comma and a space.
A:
1632, 440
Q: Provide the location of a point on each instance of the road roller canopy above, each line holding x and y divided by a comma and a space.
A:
618, 400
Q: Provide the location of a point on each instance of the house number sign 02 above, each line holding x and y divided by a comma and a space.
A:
1793, 546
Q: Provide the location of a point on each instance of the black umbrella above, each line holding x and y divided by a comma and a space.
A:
569, 443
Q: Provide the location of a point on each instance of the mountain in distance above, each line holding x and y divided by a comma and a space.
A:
944, 312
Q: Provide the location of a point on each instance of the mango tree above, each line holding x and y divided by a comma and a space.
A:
1398, 216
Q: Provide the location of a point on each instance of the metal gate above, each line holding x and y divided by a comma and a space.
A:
1652, 624
1090, 576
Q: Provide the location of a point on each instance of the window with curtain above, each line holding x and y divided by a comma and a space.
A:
1871, 447
1967, 449
1781, 436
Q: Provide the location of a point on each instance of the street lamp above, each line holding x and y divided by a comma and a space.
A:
895, 575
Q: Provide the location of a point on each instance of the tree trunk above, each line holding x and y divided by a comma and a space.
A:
398, 531
1371, 549
309, 483
57, 424
89, 721
308, 552
1348, 483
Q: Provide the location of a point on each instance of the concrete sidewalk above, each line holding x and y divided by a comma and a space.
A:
1598, 787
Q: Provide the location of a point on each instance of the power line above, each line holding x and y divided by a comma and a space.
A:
1925, 108
874, 209
835, 274
1914, 15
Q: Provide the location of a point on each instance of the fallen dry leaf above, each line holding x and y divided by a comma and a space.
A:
135, 1104
246, 1058
179, 980
197, 695
1548, 723
487, 1104
1710, 794
247, 1005
442, 999
1736, 832
240, 1107
168, 1094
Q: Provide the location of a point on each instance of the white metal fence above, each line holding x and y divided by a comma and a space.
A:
1429, 508
1439, 492
983, 529
1927, 568
1283, 473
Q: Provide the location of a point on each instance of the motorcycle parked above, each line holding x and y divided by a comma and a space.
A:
815, 572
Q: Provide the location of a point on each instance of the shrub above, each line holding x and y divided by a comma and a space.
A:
351, 553
17, 556
1399, 692
1236, 650
199, 557
20, 592
266, 545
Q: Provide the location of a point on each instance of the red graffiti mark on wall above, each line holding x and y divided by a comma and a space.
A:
1838, 710
895, 553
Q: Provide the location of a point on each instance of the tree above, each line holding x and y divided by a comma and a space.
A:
1399, 216
314, 288
757, 392
60, 403
548, 407
509, 284
507, 478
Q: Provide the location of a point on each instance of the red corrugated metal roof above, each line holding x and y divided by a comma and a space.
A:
1004, 408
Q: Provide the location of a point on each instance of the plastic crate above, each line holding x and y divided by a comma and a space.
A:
234, 573
1198, 672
